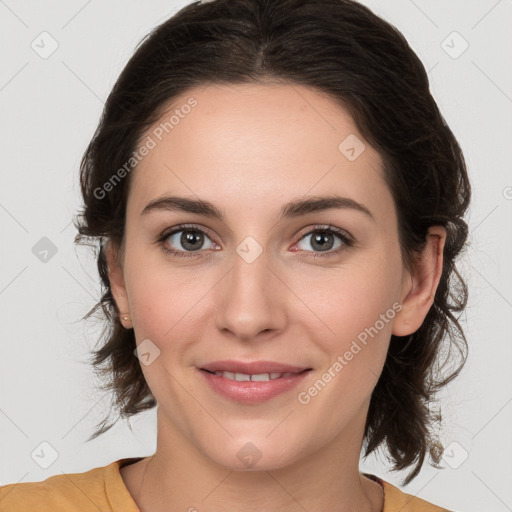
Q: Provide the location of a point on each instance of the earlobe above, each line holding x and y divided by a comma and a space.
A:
421, 285
117, 284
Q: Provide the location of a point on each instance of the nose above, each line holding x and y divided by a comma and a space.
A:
251, 300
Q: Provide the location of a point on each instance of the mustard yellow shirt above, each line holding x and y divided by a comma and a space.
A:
102, 489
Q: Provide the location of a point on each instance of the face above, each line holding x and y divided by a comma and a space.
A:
319, 288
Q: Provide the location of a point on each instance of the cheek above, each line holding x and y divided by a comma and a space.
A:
165, 302
358, 307
356, 296
359, 317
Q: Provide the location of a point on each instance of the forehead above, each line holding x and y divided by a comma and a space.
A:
259, 144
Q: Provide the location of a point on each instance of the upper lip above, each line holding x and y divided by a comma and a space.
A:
253, 368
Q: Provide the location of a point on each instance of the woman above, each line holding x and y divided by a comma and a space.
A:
279, 205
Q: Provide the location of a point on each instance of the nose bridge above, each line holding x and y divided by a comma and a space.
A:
250, 300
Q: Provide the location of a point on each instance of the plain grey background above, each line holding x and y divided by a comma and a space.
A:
59, 61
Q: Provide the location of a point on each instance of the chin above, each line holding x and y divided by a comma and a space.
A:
258, 454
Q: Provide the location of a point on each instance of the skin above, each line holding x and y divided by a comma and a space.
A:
249, 149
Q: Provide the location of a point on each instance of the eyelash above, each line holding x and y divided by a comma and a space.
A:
341, 234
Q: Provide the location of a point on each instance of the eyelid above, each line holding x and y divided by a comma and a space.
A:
185, 227
327, 227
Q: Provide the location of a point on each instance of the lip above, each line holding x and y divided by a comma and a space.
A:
252, 368
252, 392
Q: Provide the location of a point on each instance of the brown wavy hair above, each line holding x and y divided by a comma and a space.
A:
363, 63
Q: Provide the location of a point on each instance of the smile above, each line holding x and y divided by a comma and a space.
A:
259, 377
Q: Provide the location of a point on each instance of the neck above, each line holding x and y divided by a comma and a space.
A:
180, 477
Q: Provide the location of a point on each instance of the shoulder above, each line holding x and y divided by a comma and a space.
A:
395, 499
93, 490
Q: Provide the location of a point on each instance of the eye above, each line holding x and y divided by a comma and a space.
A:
324, 238
187, 239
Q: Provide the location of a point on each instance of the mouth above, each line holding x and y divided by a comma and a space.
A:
252, 382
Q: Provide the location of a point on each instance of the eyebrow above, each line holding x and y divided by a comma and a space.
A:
293, 209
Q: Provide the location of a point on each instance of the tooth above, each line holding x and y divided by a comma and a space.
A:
260, 377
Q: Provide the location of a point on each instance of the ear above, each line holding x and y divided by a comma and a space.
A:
421, 284
113, 257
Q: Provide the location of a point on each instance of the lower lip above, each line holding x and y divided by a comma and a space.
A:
252, 392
